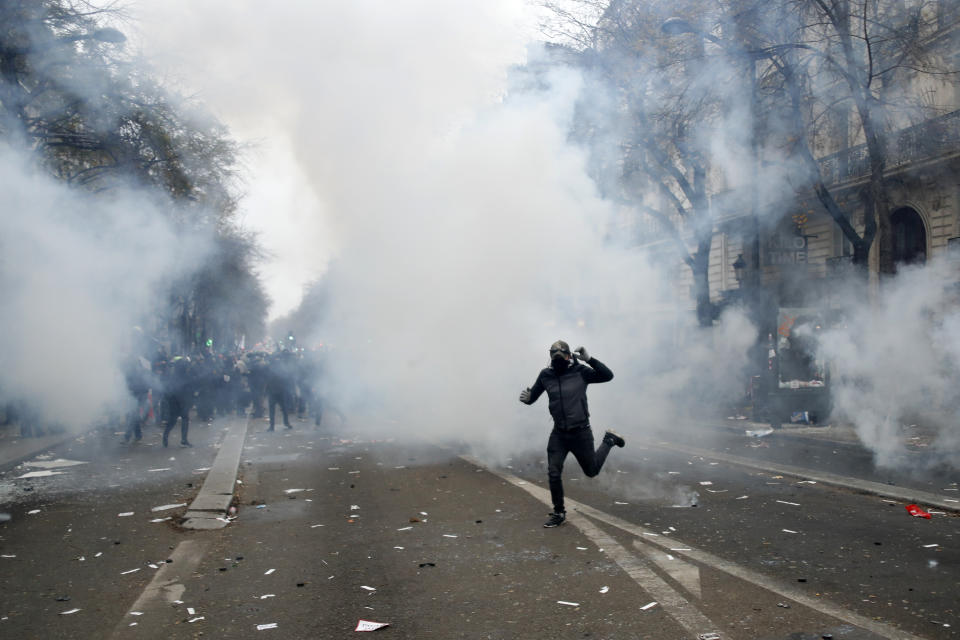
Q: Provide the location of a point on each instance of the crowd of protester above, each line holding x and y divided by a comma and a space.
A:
168, 390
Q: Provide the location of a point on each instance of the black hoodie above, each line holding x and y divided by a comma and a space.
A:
567, 392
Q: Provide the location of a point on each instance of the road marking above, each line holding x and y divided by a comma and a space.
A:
904, 494
708, 559
673, 602
167, 584
686, 574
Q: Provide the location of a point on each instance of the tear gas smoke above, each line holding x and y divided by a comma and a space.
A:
896, 362
78, 273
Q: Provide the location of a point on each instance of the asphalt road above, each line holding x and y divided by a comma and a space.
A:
332, 529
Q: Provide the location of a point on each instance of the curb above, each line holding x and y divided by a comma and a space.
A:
208, 509
862, 486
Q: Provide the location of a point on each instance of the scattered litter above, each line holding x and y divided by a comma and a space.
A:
53, 464
261, 506
155, 470
427, 564
717, 490
268, 595
930, 546
68, 612
191, 611
569, 604
269, 571
8, 556
354, 507
706, 483
369, 625
136, 613
368, 588
650, 605
449, 535
160, 519
670, 557
314, 526
712, 635
196, 619
917, 512
807, 482
123, 573
680, 549
604, 589
404, 528
98, 554
789, 531
125, 514
333, 468
932, 564
792, 504
40, 474
401, 548
783, 605
673, 473
165, 507
647, 533
269, 625
618, 502
758, 433
153, 566
581, 548
742, 497
950, 500
133, 624
293, 490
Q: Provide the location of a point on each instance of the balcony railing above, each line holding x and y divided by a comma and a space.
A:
925, 140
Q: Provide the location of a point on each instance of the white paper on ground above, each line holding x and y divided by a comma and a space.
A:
34, 512
604, 589
267, 595
160, 519
269, 625
123, 573
191, 611
569, 604
268, 572
369, 625
54, 464
156, 470
125, 514
66, 613
165, 507
368, 588
40, 474
792, 504
648, 606
293, 490
196, 619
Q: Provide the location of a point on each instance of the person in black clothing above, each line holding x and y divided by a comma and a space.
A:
138, 374
565, 382
179, 386
281, 376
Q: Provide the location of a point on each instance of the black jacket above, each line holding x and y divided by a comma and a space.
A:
567, 392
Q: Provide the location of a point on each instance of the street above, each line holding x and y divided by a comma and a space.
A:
333, 528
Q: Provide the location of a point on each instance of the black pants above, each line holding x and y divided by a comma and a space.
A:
138, 416
281, 398
580, 443
177, 408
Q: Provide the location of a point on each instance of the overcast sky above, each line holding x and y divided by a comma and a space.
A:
328, 92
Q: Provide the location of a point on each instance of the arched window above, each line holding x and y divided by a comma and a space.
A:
909, 237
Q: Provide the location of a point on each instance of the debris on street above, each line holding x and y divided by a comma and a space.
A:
917, 512
369, 625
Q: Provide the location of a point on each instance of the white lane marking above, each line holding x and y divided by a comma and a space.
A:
675, 604
688, 575
704, 558
167, 585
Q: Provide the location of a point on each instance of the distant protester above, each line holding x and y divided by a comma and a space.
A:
565, 382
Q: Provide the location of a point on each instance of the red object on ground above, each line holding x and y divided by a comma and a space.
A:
916, 511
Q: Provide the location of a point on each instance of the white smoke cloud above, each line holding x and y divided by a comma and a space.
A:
78, 273
896, 361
